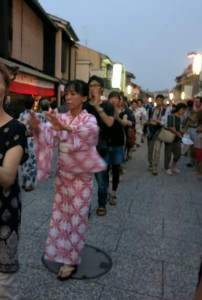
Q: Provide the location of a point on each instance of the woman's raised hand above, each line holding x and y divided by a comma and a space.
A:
56, 124
33, 121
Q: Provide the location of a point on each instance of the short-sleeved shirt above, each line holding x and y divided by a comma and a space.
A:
174, 121
13, 133
104, 133
117, 135
107, 107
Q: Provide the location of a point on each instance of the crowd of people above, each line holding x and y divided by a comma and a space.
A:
184, 121
93, 137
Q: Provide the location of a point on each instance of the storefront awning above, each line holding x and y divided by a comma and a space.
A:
32, 82
31, 85
23, 88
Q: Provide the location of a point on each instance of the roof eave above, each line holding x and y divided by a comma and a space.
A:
66, 26
36, 6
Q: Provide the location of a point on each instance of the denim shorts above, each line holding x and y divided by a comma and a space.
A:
116, 155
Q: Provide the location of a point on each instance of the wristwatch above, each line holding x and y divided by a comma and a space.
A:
100, 110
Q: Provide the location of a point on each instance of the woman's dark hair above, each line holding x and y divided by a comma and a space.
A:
29, 102
79, 86
178, 107
6, 77
54, 104
125, 101
190, 103
114, 94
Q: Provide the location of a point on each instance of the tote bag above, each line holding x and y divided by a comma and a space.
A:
165, 135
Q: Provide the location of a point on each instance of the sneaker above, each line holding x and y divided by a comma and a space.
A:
154, 171
101, 211
112, 200
128, 157
175, 170
28, 188
169, 172
149, 168
122, 170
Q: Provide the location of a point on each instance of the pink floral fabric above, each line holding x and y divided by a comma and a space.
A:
77, 161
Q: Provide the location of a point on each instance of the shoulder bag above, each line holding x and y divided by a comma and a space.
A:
165, 135
131, 137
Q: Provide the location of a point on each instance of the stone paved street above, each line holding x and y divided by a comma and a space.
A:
153, 235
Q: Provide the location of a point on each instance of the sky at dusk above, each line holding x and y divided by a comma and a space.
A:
150, 37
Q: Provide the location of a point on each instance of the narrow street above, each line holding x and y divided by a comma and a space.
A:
153, 236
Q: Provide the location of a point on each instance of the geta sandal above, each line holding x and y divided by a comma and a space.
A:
66, 272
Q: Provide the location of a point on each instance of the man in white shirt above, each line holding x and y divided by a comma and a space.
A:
155, 122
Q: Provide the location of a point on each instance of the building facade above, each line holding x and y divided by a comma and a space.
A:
37, 48
43, 54
90, 62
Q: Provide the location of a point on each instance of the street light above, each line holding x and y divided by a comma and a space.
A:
182, 95
171, 96
129, 90
197, 63
117, 75
196, 70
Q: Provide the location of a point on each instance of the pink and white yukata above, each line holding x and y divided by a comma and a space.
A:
77, 161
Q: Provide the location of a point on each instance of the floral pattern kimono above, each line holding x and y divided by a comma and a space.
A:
77, 161
29, 168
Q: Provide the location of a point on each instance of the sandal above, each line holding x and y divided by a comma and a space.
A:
66, 272
28, 188
101, 211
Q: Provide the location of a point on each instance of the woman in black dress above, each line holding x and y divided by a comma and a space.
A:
13, 151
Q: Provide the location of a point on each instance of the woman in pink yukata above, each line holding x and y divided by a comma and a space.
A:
76, 133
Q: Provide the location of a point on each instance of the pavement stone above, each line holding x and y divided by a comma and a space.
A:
153, 235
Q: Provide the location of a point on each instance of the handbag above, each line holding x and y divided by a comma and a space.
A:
165, 135
131, 137
102, 145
